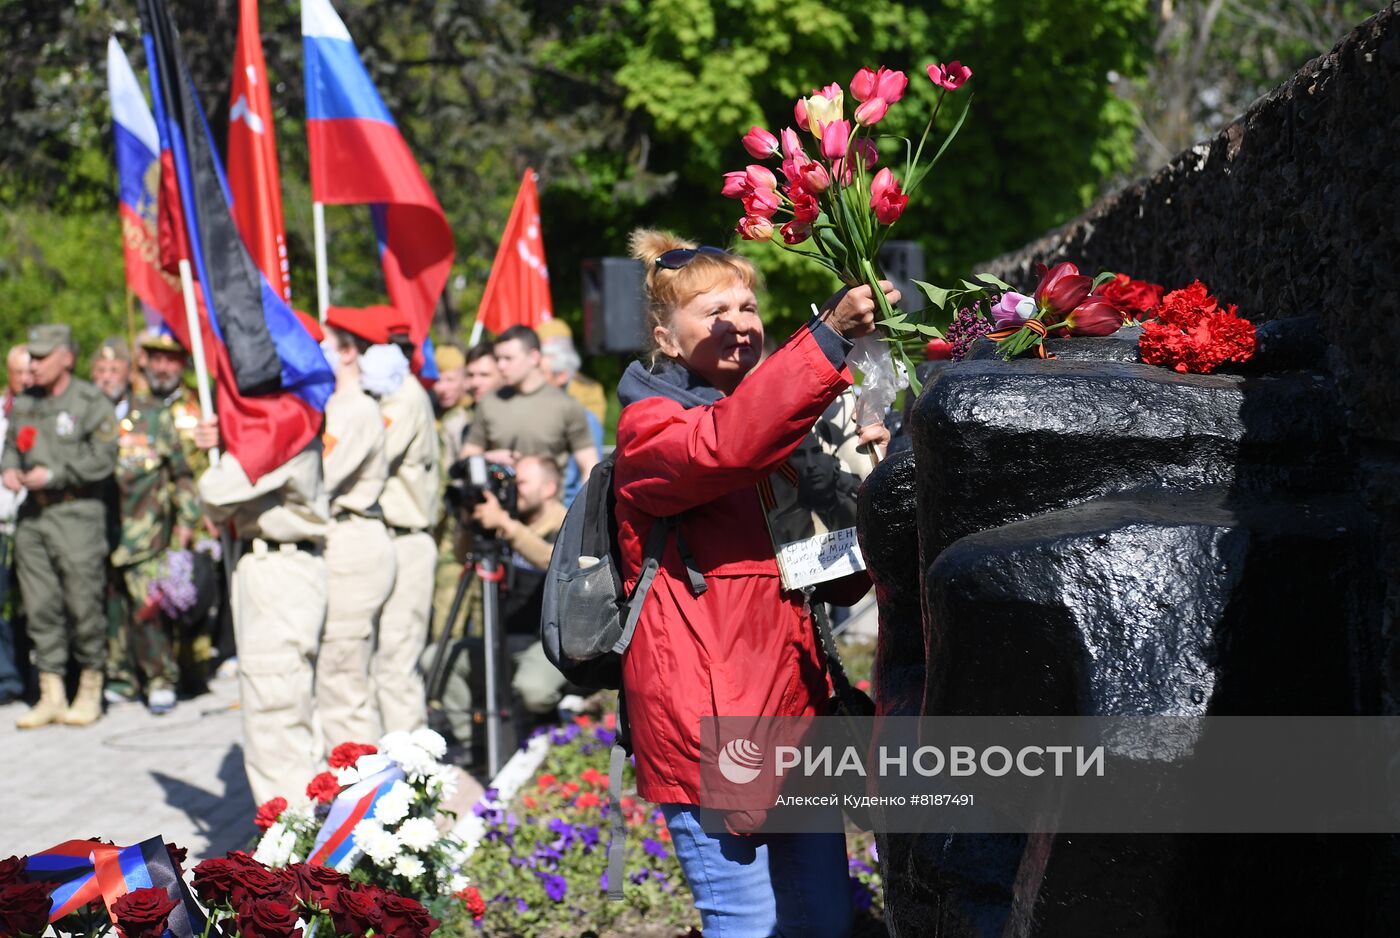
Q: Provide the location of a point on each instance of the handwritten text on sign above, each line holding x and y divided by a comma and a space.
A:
818, 559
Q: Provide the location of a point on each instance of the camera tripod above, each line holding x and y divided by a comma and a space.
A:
482, 565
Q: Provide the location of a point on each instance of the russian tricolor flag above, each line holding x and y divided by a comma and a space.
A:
137, 146
335, 842
272, 379
84, 871
358, 156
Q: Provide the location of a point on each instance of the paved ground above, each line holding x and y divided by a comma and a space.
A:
131, 776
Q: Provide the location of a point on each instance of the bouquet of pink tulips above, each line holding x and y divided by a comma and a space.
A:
836, 205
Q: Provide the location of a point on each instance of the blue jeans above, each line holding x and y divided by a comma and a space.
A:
765, 884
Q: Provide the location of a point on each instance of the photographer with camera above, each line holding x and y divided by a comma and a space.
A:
514, 516
529, 532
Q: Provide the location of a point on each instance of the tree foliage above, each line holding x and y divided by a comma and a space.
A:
629, 110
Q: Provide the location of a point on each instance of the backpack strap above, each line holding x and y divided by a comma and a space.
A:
651, 563
617, 836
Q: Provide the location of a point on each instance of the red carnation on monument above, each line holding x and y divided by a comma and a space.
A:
346, 755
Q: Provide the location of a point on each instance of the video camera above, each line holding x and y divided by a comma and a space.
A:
467, 481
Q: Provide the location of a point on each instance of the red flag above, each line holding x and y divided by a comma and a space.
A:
253, 179
517, 292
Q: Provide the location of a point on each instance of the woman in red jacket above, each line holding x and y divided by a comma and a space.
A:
697, 433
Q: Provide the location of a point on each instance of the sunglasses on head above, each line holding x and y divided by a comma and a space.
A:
675, 260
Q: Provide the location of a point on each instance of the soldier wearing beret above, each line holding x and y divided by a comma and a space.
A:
60, 446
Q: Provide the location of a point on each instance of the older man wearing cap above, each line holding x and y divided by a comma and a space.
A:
359, 553
410, 502
279, 607
159, 511
60, 445
111, 372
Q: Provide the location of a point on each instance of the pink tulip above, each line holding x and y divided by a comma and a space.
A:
755, 229
760, 177
871, 112
804, 206
890, 84
795, 232
735, 185
1061, 289
865, 148
799, 112
762, 203
792, 144
792, 169
885, 197
1013, 309
951, 76
836, 137
863, 84
760, 143
887, 83
815, 178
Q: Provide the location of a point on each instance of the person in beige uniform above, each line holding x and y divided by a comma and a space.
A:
410, 503
359, 553
279, 606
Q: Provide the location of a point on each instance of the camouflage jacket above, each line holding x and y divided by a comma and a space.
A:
155, 485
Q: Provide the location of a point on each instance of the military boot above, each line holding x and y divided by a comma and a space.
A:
52, 705
87, 703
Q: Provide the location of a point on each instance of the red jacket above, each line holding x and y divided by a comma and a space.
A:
743, 647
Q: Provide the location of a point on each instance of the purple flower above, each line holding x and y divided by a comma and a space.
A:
654, 848
589, 836
874, 854
640, 876
603, 881
174, 589
604, 735
967, 327
491, 794
521, 905
554, 886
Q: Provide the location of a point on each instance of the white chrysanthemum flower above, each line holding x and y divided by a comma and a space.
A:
409, 866
430, 742
276, 846
379, 845
457, 883
418, 833
392, 807
442, 783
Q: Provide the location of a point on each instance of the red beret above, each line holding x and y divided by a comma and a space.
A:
374, 324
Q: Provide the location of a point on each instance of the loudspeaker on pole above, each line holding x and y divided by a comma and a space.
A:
614, 305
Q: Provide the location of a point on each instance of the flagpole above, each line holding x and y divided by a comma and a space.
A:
323, 280
201, 367
476, 334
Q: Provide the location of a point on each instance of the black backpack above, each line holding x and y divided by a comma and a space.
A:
587, 620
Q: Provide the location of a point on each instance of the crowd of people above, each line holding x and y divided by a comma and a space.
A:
362, 571
118, 513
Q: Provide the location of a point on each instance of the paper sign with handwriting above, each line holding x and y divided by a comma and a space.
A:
818, 559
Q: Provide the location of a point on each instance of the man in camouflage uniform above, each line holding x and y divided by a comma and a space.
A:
61, 446
159, 510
